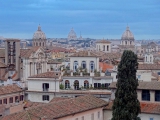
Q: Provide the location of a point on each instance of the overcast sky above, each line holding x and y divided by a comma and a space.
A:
93, 18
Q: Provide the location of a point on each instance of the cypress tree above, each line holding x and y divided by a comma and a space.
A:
126, 105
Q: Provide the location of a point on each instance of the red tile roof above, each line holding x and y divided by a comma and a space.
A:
29, 104
149, 67
60, 109
50, 74
25, 53
153, 85
146, 107
103, 41
105, 66
9, 89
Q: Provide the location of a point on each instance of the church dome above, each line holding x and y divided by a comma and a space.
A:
127, 35
39, 34
72, 34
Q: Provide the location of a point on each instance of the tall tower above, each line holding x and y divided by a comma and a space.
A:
12, 54
39, 38
148, 56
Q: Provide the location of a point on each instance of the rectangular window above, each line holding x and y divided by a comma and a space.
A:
0, 101
146, 95
92, 116
157, 95
11, 100
98, 115
45, 86
151, 119
45, 97
21, 98
16, 99
82, 118
5, 101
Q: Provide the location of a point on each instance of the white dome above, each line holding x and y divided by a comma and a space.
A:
39, 34
72, 34
127, 35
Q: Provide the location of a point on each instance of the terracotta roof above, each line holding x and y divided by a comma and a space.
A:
146, 107
149, 67
2, 65
154, 85
105, 66
9, 89
27, 52
84, 54
60, 109
29, 104
110, 56
50, 74
103, 41
58, 99
2, 53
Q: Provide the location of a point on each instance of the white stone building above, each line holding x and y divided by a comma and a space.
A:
103, 45
86, 60
43, 87
39, 38
72, 35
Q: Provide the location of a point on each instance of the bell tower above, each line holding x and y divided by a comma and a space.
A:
12, 54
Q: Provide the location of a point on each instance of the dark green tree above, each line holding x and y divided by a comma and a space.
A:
126, 105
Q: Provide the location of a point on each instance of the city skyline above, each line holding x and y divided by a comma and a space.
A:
93, 18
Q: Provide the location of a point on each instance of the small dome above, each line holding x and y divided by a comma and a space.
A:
127, 35
39, 34
72, 34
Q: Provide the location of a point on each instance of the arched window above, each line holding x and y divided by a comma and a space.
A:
150, 59
67, 84
43, 44
75, 66
146, 58
83, 64
130, 42
86, 84
76, 84
126, 42
92, 66
107, 48
103, 47
36, 44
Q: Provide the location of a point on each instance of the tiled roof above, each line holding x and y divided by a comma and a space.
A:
149, 67
154, 85
110, 56
58, 99
84, 54
59, 109
9, 89
2, 65
103, 41
50, 74
29, 104
105, 66
146, 107
27, 52
2, 52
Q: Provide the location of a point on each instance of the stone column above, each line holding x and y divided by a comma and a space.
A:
152, 96
35, 68
139, 94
